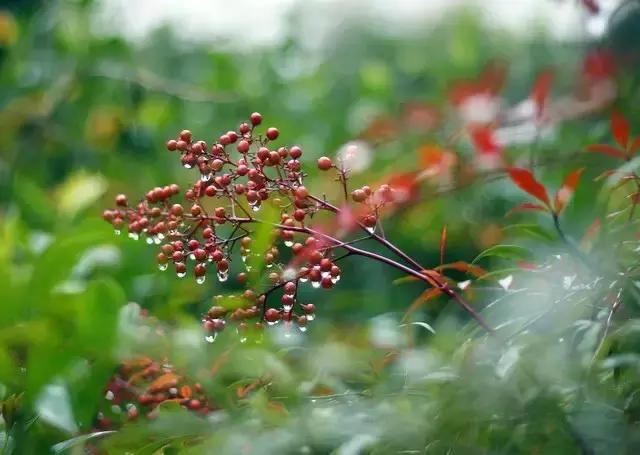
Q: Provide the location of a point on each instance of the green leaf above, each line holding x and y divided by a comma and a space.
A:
531, 229
504, 251
79, 191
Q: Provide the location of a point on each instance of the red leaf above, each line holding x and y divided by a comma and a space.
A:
525, 180
540, 90
620, 129
443, 243
592, 6
635, 145
606, 150
566, 190
462, 266
484, 141
427, 295
527, 206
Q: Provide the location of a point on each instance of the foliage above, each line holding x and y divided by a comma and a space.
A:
512, 161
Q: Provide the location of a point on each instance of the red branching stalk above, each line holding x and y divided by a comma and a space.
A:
244, 181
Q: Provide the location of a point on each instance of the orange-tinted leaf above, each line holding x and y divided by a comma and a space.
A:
443, 243
423, 298
526, 265
277, 407
527, 207
462, 266
635, 145
620, 129
606, 150
525, 180
592, 230
566, 190
540, 90
164, 382
185, 391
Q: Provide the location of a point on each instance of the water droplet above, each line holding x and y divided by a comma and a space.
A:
173, 391
211, 338
157, 240
304, 279
464, 284
335, 279
288, 243
187, 166
302, 329
109, 395
269, 265
324, 274
200, 279
192, 256
181, 274
272, 322
116, 231
205, 177
311, 317
315, 284
256, 207
287, 308
243, 257
248, 268
160, 236
149, 240
116, 409
134, 235
163, 267
370, 230
505, 283
223, 275
243, 340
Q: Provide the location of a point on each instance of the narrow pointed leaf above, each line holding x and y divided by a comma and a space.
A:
427, 295
606, 150
566, 190
462, 266
504, 251
531, 229
540, 90
527, 207
525, 180
620, 129
635, 145
443, 243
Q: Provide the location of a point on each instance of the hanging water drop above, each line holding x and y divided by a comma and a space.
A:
269, 265
187, 166
287, 307
160, 236
149, 240
211, 338
335, 279
116, 231
302, 329
311, 317
181, 274
256, 207
163, 267
134, 235
223, 275
273, 322
303, 279
200, 279
192, 256
157, 240
205, 177
315, 284
324, 274
288, 243
370, 230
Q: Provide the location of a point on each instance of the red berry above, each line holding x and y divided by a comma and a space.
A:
324, 163
302, 192
199, 269
244, 128
295, 152
273, 133
358, 195
256, 118
243, 146
121, 200
290, 288
326, 282
172, 145
272, 315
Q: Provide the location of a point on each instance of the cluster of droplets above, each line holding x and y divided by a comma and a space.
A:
140, 386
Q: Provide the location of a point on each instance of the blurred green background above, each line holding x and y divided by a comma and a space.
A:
91, 90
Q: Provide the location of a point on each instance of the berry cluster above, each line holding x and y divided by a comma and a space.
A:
239, 173
140, 386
